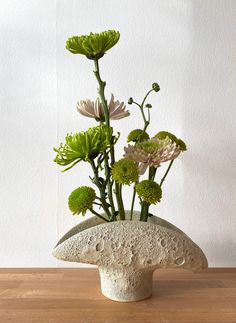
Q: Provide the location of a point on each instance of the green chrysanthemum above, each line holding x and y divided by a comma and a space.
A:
93, 46
137, 135
179, 142
125, 171
81, 199
85, 145
149, 191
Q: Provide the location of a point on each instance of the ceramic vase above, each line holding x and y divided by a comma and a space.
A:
128, 252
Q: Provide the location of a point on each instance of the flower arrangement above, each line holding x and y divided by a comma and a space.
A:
143, 154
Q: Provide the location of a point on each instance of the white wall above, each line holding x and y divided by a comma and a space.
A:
188, 47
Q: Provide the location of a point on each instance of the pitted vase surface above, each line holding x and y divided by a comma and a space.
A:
128, 252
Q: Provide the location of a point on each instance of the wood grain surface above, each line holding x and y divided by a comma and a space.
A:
73, 296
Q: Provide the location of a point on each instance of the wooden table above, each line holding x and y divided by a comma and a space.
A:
73, 295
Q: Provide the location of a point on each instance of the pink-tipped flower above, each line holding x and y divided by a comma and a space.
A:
117, 109
94, 110
152, 152
90, 109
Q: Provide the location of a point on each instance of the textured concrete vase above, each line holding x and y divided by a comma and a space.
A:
128, 252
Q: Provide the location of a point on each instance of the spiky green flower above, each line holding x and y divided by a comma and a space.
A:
179, 142
149, 191
81, 199
125, 171
93, 46
137, 135
85, 145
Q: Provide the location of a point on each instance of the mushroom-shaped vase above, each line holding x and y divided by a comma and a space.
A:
128, 252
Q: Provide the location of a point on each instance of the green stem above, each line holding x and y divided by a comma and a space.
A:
132, 204
120, 203
144, 99
144, 211
146, 205
152, 173
116, 190
146, 123
136, 103
101, 94
101, 190
99, 215
141, 107
166, 173
148, 115
109, 185
64, 170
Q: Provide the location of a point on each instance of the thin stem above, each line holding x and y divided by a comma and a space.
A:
148, 115
141, 107
64, 170
109, 185
166, 173
146, 123
136, 103
99, 215
99, 204
101, 158
144, 99
142, 112
116, 191
132, 204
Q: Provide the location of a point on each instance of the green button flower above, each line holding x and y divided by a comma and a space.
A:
137, 135
81, 200
125, 171
85, 145
93, 46
149, 191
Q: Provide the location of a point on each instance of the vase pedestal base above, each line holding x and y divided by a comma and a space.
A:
127, 285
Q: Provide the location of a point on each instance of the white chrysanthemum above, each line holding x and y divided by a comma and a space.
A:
152, 152
92, 109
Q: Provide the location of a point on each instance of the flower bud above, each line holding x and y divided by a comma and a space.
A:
156, 87
130, 101
148, 105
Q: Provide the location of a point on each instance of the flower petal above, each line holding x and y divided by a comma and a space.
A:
142, 168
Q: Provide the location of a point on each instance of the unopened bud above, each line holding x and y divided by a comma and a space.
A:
130, 101
156, 87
